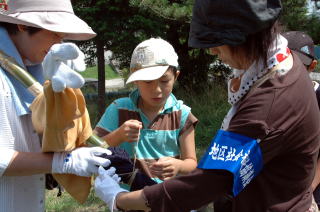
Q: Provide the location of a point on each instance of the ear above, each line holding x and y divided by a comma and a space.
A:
312, 66
21, 28
177, 74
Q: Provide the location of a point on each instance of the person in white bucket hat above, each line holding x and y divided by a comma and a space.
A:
28, 29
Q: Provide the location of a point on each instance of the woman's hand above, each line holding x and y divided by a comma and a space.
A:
107, 187
166, 168
130, 130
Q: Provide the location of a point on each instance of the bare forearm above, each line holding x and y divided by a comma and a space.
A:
27, 163
131, 201
187, 165
114, 138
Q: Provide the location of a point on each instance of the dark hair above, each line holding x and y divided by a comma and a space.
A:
13, 28
174, 70
257, 45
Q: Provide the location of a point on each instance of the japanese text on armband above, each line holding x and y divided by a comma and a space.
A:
235, 153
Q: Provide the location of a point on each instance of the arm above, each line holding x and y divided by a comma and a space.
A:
167, 167
108, 126
27, 163
83, 161
188, 152
316, 179
200, 186
129, 131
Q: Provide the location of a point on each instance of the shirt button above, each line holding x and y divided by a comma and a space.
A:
41, 201
41, 178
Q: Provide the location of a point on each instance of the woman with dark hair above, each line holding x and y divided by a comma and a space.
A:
264, 156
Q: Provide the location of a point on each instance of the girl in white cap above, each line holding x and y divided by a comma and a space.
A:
28, 28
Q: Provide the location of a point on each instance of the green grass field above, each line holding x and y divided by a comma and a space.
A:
92, 72
209, 107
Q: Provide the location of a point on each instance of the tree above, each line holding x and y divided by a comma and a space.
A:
295, 17
176, 14
120, 28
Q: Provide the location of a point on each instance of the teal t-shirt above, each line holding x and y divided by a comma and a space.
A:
158, 138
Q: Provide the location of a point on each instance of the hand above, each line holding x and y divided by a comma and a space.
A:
130, 130
83, 161
60, 63
107, 186
165, 168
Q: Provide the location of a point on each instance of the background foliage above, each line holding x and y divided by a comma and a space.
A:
122, 24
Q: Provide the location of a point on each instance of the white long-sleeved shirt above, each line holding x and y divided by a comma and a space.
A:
17, 193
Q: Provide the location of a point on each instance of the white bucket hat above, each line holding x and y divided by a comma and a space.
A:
52, 15
151, 59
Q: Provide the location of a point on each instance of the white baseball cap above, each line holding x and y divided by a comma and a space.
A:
52, 15
151, 59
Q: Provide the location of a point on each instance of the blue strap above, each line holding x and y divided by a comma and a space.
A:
235, 153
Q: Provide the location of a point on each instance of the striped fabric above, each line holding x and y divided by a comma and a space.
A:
158, 137
24, 193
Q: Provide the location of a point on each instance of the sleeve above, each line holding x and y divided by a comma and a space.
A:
200, 186
191, 121
109, 120
5, 158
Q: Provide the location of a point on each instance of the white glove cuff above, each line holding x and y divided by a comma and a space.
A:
113, 205
58, 162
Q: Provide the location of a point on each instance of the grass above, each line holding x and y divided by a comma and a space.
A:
210, 107
92, 72
66, 203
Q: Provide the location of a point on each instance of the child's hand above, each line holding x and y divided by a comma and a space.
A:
130, 130
165, 168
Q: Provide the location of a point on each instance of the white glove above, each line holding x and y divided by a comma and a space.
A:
60, 63
107, 187
83, 161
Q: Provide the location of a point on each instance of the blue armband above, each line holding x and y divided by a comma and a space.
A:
235, 153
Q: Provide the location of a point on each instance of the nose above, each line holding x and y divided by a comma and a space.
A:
157, 87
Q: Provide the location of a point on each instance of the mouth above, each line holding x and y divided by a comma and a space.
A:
157, 99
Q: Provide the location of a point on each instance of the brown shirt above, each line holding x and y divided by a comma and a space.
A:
283, 113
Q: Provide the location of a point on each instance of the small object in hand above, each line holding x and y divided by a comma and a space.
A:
124, 168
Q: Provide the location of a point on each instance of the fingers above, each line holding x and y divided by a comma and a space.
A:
106, 173
134, 124
64, 51
100, 151
132, 130
100, 161
116, 178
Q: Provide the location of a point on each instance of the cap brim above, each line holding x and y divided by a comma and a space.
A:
64, 22
304, 58
151, 73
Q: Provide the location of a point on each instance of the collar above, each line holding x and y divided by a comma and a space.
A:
22, 98
278, 53
170, 103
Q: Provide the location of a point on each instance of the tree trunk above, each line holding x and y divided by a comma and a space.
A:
101, 78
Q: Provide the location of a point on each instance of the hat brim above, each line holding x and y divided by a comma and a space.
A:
304, 58
64, 22
151, 73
